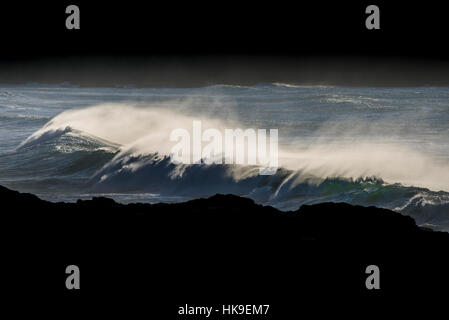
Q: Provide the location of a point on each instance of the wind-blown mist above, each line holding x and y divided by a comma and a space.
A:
383, 147
140, 130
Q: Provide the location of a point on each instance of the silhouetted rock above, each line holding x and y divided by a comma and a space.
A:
218, 218
217, 248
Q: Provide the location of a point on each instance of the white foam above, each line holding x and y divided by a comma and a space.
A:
145, 129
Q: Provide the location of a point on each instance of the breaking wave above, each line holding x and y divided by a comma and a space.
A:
120, 148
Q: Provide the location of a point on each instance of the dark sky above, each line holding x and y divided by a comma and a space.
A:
198, 42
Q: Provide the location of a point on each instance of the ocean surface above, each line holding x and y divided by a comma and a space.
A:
387, 147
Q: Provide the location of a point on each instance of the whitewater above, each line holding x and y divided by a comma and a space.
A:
386, 147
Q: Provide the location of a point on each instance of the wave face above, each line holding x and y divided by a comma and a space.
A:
369, 146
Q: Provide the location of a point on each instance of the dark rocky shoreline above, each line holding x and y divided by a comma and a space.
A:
221, 216
215, 250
